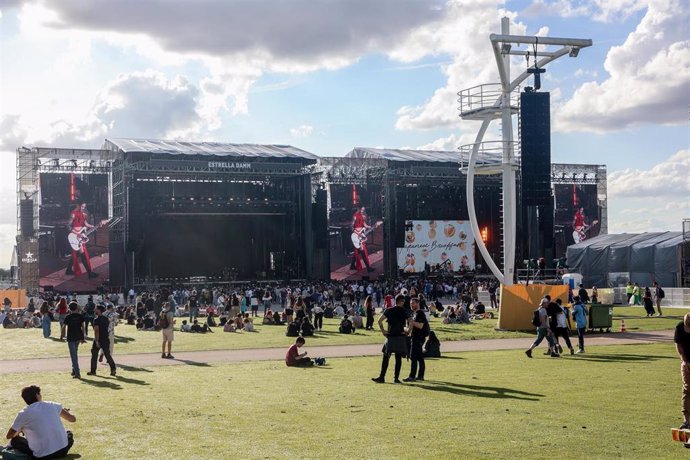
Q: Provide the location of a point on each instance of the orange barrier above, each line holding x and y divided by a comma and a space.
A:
519, 301
16, 296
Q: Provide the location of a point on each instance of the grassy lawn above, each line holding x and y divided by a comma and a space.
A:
612, 402
29, 343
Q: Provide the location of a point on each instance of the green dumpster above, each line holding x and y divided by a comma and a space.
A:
600, 317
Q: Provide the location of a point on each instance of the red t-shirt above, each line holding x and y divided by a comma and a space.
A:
292, 355
359, 220
388, 301
579, 219
78, 218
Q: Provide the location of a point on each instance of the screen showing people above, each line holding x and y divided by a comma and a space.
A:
355, 232
73, 235
437, 246
577, 215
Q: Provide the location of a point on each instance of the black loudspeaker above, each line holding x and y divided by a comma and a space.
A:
26, 217
535, 138
320, 220
400, 215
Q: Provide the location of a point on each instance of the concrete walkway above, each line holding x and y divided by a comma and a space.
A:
275, 354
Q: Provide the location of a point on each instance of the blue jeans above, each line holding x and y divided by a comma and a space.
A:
73, 348
45, 322
543, 332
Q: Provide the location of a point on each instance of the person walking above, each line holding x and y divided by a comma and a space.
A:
101, 341
45, 319
580, 316
396, 341
682, 339
419, 330
113, 319
561, 328
44, 434
166, 323
370, 312
658, 295
75, 323
543, 330
636, 294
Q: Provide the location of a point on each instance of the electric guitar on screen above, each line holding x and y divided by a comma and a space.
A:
77, 239
359, 237
580, 233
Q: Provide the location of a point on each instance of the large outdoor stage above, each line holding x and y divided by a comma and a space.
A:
146, 212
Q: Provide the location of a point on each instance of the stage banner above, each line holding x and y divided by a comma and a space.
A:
444, 246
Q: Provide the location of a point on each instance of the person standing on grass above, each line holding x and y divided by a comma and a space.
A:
396, 341
113, 319
543, 330
101, 341
580, 316
370, 311
682, 340
419, 330
293, 358
629, 291
76, 330
166, 323
658, 295
561, 328
636, 294
45, 318
44, 435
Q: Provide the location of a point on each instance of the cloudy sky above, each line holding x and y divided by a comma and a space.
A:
328, 75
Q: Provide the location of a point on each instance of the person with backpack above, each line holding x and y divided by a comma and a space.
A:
658, 295
580, 317
540, 320
166, 322
419, 331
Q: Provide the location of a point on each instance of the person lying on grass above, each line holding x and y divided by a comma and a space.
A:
293, 358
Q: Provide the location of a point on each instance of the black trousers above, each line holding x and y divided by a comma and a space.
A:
105, 348
562, 332
581, 337
370, 321
318, 320
22, 445
386, 360
417, 359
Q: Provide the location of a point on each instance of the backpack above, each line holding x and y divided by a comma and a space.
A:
163, 322
536, 320
662, 294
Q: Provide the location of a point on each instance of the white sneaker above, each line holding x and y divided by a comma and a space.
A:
579, 352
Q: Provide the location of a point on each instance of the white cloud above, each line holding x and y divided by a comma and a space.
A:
12, 133
302, 131
670, 179
648, 77
599, 10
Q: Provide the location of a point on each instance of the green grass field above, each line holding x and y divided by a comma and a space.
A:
614, 402
29, 343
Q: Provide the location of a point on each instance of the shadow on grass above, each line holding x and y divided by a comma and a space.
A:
69, 456
123, 339
133, 369
120, 378
447, 357
478, 391
192, 363
101, 384
622, 358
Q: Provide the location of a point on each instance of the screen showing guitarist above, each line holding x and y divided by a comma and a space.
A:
360, 257
580, 225
79, 227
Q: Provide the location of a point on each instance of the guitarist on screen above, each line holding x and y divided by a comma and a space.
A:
580, 226
77, 239
359, 231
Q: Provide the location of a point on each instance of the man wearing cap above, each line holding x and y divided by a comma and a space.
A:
682, 339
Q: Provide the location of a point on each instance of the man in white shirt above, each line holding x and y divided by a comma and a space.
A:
44, 436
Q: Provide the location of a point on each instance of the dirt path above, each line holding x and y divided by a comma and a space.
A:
334, 351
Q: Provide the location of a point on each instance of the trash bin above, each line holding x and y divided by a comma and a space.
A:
600, 317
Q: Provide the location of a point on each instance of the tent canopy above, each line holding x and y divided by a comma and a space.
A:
641, 258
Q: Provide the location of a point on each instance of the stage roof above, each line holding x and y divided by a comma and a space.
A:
219, 149
405, 155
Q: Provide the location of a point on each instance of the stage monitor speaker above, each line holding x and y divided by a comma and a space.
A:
535, 140
26, 217
320, 220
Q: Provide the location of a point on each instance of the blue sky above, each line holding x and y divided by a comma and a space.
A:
328, 76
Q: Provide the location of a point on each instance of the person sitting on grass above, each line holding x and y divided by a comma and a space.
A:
293, 358
338, 311
268, 318
346, 326
44, 434
199, 328
357, 322
210, 321
229, 327
149, 322
186, 327
277, 319
306, 328
328, 311
248, 324
239, 321
292, 329
432, 347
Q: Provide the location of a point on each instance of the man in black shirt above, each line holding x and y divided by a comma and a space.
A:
89, 310
396, 341
101, 341
76, 330
682, 339
419, 327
